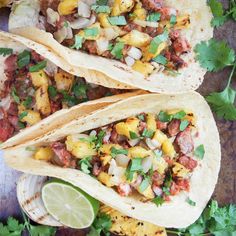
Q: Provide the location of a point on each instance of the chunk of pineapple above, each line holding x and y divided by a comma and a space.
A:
122, 6
81, 148
106, 148
104, 178
138, 152
182, 22
105, 159
103, 19
32, 117
147, 55
92, 32
136, 38
160, 165
168, 148
179, 170
151, 122
64, 80
159, 136
67, 7
139, 12
42, 100
143, 67
39, 78
148, 192
44, 153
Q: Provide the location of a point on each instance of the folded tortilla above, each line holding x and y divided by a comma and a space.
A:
177, 213
18, 44
188, 78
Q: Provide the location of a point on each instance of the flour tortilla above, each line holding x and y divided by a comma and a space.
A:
18, 44
178, 213
190, 78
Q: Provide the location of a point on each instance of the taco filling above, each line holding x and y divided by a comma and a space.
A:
35, 88
149, 155
144, 34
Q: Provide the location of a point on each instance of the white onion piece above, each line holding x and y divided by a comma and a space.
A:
5, 103
135, 53
61, 34
102, 45
157, 190
81, 22
52, 16
133, 142
122, 160
116, 173
129, 61
172, 11
147, 164
107, 136
41, 23
110, 33
152, 144
93, 133
90, 2
77, 137
84, 10
69, 33
51, 69
144, 23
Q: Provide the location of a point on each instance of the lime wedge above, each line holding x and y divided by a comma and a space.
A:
69, 204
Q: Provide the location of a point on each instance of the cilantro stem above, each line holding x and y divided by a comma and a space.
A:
183, 234
231, 75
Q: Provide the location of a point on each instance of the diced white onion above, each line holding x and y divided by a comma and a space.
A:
90, 2
147, 164
61, 34
5, 103
52, 16
173, 11
102, 45
133, 142
84, 9
157, 190
135, 53
122, 160
69, 33
51, 68
42, 22
93, 133
82, 22
144, 23
110, 33
129, 60
116, 173
152, 144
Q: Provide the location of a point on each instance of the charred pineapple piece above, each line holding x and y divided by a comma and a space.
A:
179, 170
105, 159
127, 226
168, 148
151, 122
64, 80
32, 117
103, 19
147, 193
39, 78
182, 22
160, 165
138, 152
42, 100
144, 68
122, 6
80, 148
44, 153
136, 38
147, 55
159, 136
139, 12
106, 148
67, 7
104, 178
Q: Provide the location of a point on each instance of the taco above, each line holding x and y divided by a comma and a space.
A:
146, 44
34, 87
152, 157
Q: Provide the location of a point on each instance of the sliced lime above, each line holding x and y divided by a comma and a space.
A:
69, 204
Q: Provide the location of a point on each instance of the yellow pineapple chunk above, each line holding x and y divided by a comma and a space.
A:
160, 165
44, 153
67, 7
136, 38
122, 6
103, 19
138, 152
106, 148
39, 78
104, 178
168, 148
151, 122
105, 159
148, 193
179, 170
147, 55
81, 148
139, 12
159, 136
64, 80
182, 22
143, 67
42, 100
32, 117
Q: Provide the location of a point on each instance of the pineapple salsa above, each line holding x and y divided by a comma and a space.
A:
35, 88
149, 154
144, 34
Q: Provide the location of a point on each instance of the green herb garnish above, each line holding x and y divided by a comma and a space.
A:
115, 152
23, 59
154, 17
85, 165
6, 51
117, 20
41, 65
78, 42
199, 151
117, 50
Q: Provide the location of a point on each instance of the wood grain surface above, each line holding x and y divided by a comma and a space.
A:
225, 191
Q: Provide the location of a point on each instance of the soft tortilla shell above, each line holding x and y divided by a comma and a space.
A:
190, 78
178, 213
61, 117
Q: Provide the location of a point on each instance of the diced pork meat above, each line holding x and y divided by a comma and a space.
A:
184, 141
157, 179
161, 125
187, 162
181, 46
6, 130
152, 5
124, 189
173, 127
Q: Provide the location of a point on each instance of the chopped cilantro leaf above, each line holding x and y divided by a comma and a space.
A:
136, 164
214, 55
179, 115
101, 9
15, 96
115, 152
148, 133
164, 116
89, 139
91, 32
52, 91
80, 90
190, 202
85, 165
141, 117
41, 65
157, 41
117, 20
200, 151
158, 201
27, 102
23, 59
23, 114
70, 100
100, 137
117, 50
173, 20
78, 42
21, 125
160, 59
6, 51
143, 186
154, 17
133, 135
183, 125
